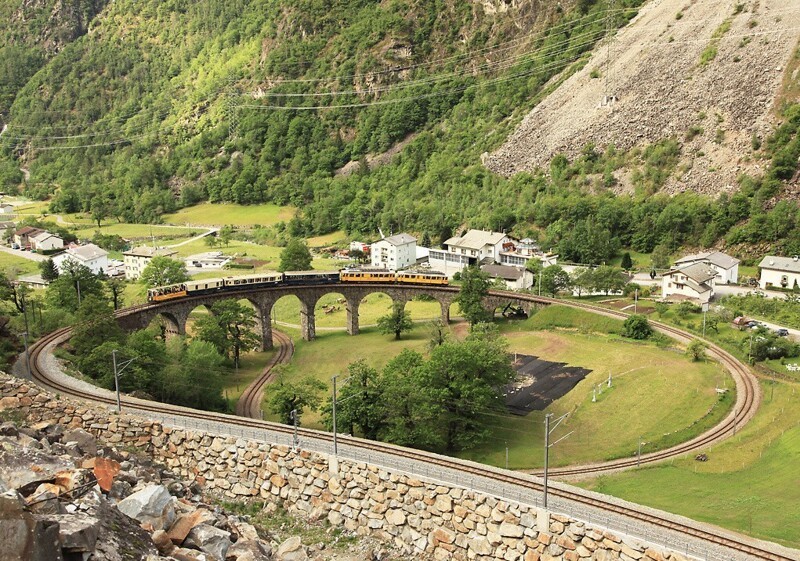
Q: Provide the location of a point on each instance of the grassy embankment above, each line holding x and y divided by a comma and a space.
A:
750, 483
208, 214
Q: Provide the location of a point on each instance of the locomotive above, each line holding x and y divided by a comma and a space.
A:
290, 278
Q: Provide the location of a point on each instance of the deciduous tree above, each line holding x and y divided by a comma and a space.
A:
295, 256
474, 287
163, 271
396, 321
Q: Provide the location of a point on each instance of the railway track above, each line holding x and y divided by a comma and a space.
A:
738, 547
249, 404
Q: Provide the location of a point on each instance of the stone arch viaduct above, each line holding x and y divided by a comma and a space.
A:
176, 313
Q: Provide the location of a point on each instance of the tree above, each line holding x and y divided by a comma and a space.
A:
583, 280
75, 283
359, 256
627, 262
474, 287
358, 402
426, 240
211, 240
94, 325
659, 258
554, 280
636, 327
116, 286
396, 321
608, 279
412, 412
295, 256
163, 271
466, 380
225, 235
287, 397
696, 350
438, 333
229, 327
48, 270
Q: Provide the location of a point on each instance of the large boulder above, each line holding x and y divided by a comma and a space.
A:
249, 550
77, 532
291, 550
23, 536
186, 522
210, 540
152, 506
86, 442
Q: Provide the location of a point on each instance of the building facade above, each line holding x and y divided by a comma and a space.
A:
136, 259
515, 278
46, 242
394, 253
476, 247
89, 255
779, 272
693, 282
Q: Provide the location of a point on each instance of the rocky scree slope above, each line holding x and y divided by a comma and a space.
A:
706, 73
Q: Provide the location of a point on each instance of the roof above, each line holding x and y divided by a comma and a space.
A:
147, 251
503, 271
786, 264
714, 257
476, 239
87, 252
39, 238
698, 272
28, 231
400, 239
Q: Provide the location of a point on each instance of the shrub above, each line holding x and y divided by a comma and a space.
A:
637, 327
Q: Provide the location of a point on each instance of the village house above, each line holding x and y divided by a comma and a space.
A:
46, 241
515, 278
22, 237
727, 267
135, 260
394, 253
779, 272
89, 255
518, 253
692, 282
476, 247
6, 210
208, 260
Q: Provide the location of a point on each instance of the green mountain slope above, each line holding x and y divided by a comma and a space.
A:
164, 103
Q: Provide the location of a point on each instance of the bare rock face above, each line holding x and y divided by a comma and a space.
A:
23, 536
249, 550
86, 442
152, 505
291, 550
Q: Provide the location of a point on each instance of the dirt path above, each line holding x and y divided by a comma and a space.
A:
663, 90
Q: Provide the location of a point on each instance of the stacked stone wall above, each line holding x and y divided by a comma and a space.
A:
421, 517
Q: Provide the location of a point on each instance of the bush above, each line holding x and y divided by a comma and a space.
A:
637, 327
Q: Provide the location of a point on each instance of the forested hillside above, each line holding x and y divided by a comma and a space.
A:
151, 105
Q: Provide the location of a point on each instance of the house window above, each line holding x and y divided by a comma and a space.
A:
784, 281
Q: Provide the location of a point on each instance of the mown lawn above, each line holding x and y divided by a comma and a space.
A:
655, 393
143, 231
208, 214
751, 483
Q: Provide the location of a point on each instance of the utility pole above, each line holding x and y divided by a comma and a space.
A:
639, 453
295, 441
635, 299
78, 285
27, 355
335, 442
540, 282
118, 368
547, 445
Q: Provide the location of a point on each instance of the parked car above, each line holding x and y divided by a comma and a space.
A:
782, 332
14, 246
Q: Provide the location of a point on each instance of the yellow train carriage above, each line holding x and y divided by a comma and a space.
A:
408, 277
367, 276
163, 293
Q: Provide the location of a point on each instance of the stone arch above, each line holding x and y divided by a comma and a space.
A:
334, 309
395, 297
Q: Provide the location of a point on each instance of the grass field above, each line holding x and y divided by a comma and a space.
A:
751, 483
208, 214
328, 239
663, 394
17, 265
331, 352
144, 231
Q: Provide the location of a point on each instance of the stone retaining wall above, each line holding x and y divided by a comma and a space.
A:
418, 516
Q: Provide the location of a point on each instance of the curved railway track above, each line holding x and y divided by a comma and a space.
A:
747, 403
249, 403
